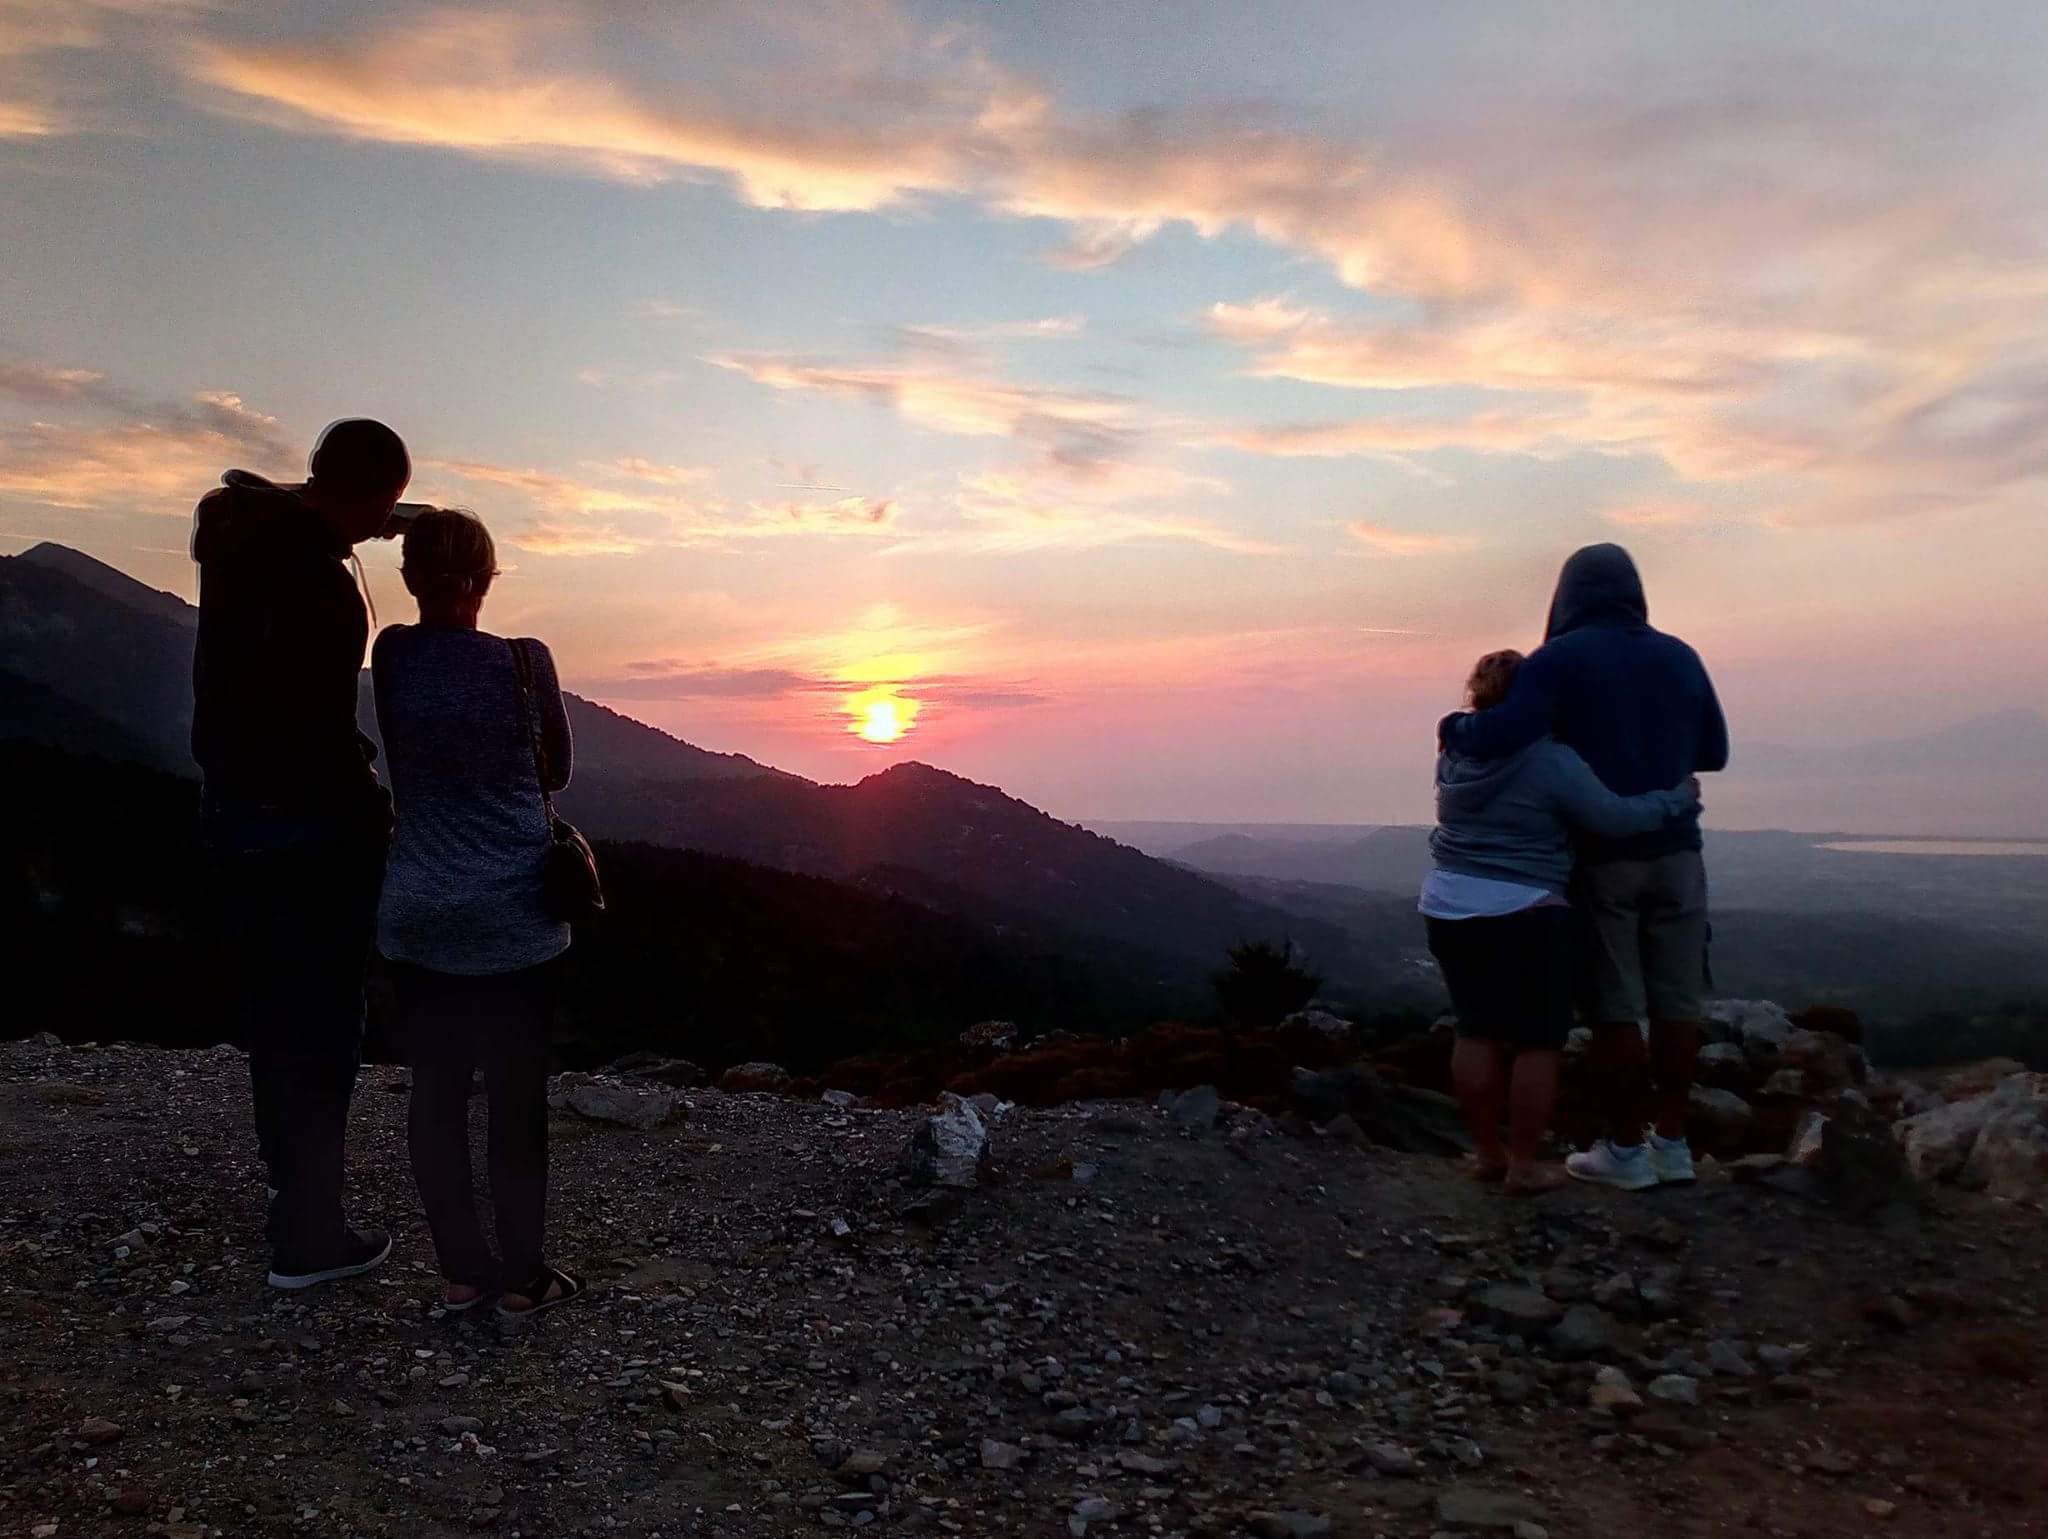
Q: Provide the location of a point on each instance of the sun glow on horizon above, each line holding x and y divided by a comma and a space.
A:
880, 715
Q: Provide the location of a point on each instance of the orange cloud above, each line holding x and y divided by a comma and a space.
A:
119, 453
1858, 427
501, 83
949, 401
1838, 325
28, 120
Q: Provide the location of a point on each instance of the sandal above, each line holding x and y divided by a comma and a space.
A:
537, 1289
483, 1295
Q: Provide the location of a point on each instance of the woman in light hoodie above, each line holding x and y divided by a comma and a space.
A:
1501, 925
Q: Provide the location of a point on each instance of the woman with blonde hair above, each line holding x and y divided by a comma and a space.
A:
474, 735
1501, 926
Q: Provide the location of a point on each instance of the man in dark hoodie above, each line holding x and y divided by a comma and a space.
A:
295, 821
1638, 707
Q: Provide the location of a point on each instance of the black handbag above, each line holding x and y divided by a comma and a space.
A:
571, 890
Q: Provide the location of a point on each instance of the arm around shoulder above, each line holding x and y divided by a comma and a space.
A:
1585, 802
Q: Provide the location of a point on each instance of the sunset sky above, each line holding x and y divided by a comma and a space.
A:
1149, 407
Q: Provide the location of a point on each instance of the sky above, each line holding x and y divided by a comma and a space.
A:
1152, 408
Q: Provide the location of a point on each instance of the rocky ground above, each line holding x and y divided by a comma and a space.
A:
1144, 1325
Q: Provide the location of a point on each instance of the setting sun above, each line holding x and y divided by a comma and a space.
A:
882, 723
880, 715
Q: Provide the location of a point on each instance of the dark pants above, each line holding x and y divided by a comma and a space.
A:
451, 1027
295, 906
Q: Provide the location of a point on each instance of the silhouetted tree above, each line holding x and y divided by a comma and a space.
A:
1264, 984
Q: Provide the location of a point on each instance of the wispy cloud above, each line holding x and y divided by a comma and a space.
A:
521, 86
848, 515
659, 474
1407, 542
670, 679
116, 451
1849, 428
677, 679
1860, 320
1095, 475
28, 120
1045, 328
36, 95
950, 401
1039, 507
633, 504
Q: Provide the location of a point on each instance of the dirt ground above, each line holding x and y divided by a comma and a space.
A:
1136, 1330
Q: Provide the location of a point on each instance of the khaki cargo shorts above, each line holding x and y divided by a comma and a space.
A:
1648, 925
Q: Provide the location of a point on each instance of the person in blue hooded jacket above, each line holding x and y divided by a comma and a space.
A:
1638, 707
1501, 925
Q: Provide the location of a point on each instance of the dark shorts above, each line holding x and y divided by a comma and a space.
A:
1512, 979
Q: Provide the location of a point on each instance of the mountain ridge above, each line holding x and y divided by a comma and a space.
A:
937, 837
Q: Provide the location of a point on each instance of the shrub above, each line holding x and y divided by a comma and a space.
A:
1264, 984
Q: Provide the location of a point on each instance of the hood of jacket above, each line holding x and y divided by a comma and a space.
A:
1465, 788
248, 510
1599, 585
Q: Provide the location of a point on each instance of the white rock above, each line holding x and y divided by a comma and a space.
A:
1757, 1024
1938, 1142
2010, 1156
950, 1147
1675, 1389
622, 1105
1806, 1138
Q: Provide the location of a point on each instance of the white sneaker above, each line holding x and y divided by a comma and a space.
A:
1604, 1164
1671, 1159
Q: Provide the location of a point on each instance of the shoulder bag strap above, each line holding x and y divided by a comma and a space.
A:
522, 665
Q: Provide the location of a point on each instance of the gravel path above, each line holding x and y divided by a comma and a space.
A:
1135, 1331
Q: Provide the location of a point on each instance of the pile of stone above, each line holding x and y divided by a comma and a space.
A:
1786, 1099
1992, 1137
1799, 1087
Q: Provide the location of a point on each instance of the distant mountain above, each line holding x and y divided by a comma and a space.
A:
929, 833
1383, 859
109, 649
711, 958
110, 582
91, 639
616, 755
2013, 741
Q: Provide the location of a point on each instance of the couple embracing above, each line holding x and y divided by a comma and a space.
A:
1569, 876
310, 868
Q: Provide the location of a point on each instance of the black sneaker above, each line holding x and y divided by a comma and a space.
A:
363, 1250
